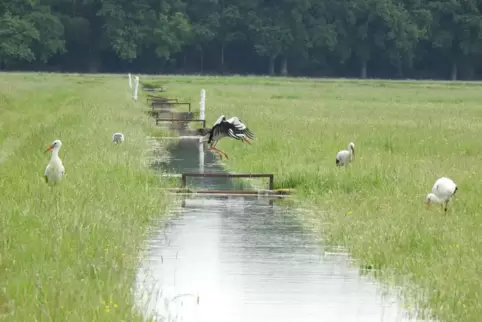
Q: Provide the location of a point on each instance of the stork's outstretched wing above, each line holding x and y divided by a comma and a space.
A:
225, 129
220, 119
240, 128
247, 132
232, 128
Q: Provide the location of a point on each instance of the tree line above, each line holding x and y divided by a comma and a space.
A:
439, 39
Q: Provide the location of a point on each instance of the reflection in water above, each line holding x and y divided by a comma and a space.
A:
249, 261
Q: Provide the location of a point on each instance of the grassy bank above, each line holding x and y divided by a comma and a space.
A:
70, 254
407, 134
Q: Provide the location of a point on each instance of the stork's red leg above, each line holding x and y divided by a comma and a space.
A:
225, 154
219, 151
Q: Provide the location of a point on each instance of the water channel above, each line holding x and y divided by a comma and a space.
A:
238, 258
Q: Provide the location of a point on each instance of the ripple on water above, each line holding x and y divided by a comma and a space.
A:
249, 261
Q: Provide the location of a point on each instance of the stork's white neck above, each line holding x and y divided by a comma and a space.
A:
55, 153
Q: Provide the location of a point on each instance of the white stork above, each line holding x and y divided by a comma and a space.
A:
443, 189
344, 157
55, 169
117, 138
222, 128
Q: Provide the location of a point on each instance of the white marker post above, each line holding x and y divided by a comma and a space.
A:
136, 87
202, 116
130, 80
202, 105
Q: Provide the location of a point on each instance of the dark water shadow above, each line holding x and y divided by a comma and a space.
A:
185, 157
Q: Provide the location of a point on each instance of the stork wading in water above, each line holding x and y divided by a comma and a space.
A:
442, 191
222, 128
55, 171
344, 157
117, 138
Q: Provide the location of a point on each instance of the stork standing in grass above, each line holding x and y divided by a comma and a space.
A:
222, 128
442, 191
117, 138
344, 157
55, 171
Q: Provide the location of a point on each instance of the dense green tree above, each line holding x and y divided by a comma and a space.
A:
269, 36
204, 16
17, 36
132, 26
456, 31
228, 27
28, 32
322, 32
368, 27
368, 38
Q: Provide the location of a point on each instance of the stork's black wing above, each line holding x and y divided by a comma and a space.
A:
227, 129
247, 132
236, 131
224, 129
240, 129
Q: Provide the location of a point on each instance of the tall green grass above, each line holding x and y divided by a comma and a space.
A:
407, 134
69, 253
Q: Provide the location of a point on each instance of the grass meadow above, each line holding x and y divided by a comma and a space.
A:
407, 134
70, 253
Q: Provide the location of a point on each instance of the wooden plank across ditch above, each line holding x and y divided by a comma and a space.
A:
260, 192
157, 106
170, 104
180, 120
182, 137
152, 88
159, 99
270, 176
177, 115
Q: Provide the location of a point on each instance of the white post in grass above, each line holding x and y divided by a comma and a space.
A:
202, 105
136, 87
130, 80
202, 116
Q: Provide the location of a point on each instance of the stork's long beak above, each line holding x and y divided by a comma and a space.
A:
427, 204
49, 148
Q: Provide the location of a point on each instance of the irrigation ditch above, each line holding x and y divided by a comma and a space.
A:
224, 255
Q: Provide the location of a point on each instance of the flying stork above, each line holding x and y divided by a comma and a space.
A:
222, 128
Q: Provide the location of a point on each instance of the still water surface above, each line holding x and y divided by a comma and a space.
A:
248, 260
